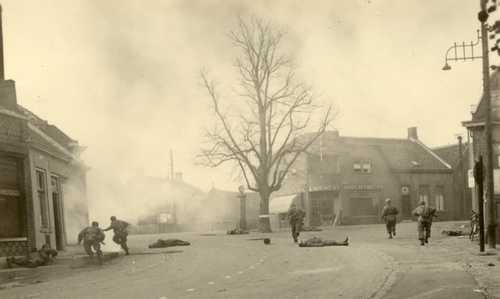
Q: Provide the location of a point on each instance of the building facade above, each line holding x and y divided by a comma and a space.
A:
42, 180
345, 180
475, 128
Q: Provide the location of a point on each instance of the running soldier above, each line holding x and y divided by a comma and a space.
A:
92, 238
425, 215
296, 218
119, 228
389, 214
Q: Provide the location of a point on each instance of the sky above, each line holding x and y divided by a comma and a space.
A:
122, 76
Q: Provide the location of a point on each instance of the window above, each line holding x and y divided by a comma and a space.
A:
423, 193
439, 198
12, 208
41, 188
363, 206
362, 167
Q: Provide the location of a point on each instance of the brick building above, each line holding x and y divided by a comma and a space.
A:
42, 180
348, 179
475, 127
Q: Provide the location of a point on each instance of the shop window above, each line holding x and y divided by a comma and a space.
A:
12, 211
363, 206
439, 198
41, 188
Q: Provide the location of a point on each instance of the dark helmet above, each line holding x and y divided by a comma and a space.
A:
113, 218
95, 223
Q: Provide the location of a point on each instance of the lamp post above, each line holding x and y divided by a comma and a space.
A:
461, 54
243, 207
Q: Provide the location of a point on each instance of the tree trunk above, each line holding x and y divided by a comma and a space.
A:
264, 220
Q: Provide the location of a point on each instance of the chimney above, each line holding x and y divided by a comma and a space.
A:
8, 94
412, 133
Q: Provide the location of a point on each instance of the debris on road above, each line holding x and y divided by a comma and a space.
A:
168, 243
318, 242
267, 241
453, 233
237, 231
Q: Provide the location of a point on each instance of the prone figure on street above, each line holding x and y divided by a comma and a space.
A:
318, 242
389, 214
92, 237
296, 218
45, 256
425, 215
120, 231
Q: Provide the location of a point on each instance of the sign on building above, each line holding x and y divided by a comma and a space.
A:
164, 217
470, 178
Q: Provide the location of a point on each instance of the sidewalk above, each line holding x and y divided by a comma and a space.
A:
485, 268
72, 258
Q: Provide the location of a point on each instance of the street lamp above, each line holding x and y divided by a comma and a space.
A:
488, 157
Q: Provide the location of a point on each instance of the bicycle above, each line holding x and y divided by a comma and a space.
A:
474, 226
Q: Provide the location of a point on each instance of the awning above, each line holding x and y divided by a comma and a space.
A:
281, 204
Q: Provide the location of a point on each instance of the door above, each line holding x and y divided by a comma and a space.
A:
406, 206
58, 219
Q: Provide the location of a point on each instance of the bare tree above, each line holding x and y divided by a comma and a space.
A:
265, 138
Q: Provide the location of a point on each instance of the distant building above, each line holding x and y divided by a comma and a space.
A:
220, 210
457, 156
347, 179
169, 205
42, 179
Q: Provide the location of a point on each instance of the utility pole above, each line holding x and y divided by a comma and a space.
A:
478, 177
490, 196
463, 175
171, 165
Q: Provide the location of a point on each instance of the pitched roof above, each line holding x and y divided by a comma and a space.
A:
450, 154
400, 154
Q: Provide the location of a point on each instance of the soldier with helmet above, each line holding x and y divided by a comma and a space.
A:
425, 215
389, 214
120, 231
92, 238
296, 218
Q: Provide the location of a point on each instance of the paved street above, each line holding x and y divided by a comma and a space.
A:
221, 266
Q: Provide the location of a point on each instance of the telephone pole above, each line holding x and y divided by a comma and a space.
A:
490, 196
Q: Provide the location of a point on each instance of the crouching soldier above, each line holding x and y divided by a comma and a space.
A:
45, 257
120, 231
425, 215
92, 238
389, 216
296, 218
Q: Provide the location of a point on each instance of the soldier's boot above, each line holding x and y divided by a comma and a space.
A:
125, 248
422, 242
426, 240
390, 236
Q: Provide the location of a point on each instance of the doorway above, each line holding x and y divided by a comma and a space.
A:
58, 219
406, 206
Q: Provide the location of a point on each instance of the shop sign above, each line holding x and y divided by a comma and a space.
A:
356, 187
